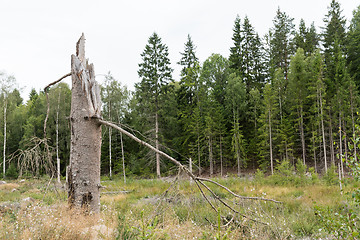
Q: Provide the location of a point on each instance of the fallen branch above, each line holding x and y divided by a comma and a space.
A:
198, 180
234, 194
116, 192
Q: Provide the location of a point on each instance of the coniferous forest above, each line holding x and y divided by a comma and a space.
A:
290, 96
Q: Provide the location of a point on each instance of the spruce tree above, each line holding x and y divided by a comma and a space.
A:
187, 95
281, 41
333, 33
353, 47
236, 55
155, 73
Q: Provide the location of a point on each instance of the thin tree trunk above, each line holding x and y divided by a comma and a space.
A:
345, 146
211, 157
123, 157
84, 169
190, 169
332, 152
353, 121
314, 150
340, 144
198, 151
110, 156
323, 129
57, 140
4, 151
221, 157
157, 145
302, 135
270, 141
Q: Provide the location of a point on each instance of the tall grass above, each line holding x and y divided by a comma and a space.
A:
151, 209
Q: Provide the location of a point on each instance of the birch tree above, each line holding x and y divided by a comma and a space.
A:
7, 84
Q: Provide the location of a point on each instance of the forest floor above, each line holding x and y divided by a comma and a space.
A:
173, 208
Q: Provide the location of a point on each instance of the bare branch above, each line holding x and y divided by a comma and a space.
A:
198, 180
55, 82
234, 194
47, 99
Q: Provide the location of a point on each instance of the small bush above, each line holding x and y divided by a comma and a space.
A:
12, 172
331, 177
259, 176
284, 174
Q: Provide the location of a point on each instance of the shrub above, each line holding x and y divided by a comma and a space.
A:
331, 177
12, 172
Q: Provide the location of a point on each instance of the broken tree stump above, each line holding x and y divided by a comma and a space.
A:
84, 169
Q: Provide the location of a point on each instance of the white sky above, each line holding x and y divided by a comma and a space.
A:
39, 36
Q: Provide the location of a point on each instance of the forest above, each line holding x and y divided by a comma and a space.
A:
274, 128
291, 95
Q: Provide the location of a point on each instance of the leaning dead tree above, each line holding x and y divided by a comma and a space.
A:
85, 117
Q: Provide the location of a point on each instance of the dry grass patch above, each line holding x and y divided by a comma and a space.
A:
9, 186
56, 222
112, 198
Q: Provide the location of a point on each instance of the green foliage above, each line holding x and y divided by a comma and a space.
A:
281, 41
284, 173
331, 177
353, 47
343, 222
12, 172
300, 168
259, 176
219, 234
124, 230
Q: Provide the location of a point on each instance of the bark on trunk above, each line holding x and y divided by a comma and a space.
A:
157, 144
57, 140
270, 141
302, 136
123, 157
332, 152
340, 143
110, 163
4, 152
84, 169
221, 157
323, 129
211, 157
353, 121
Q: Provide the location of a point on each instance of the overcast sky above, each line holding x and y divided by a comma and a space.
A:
39, 36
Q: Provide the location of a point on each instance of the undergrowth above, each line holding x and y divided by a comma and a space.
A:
149, 209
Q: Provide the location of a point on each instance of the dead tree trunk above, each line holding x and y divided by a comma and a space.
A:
84, 169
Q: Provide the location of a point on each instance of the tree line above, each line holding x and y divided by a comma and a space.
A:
291, 95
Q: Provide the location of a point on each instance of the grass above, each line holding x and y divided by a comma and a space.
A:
144, 212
